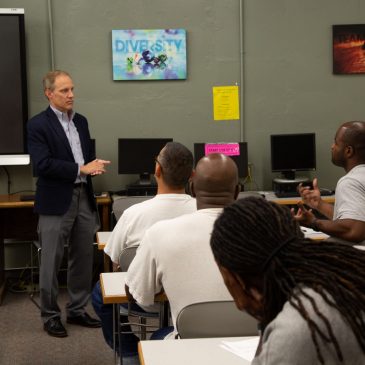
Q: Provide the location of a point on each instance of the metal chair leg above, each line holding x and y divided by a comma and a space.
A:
33, 291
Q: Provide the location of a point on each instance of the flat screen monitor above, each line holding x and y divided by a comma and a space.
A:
293, 152
237, 151
137, 156
13, 91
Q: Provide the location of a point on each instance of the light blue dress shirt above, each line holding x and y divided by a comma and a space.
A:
73, 138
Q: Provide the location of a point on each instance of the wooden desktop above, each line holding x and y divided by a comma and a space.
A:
18, 221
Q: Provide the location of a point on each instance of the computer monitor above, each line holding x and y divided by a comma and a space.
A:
293, 152
137, 156
237, 151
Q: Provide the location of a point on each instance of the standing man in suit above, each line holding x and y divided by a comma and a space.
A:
64, 161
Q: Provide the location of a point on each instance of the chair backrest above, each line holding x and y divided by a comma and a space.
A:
120, 204
215, 319
126, 257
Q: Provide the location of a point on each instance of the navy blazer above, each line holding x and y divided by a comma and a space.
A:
53, 161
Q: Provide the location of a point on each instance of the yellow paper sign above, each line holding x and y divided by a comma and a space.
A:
225, 103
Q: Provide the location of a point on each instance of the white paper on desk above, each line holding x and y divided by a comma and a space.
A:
311, 233
245, 349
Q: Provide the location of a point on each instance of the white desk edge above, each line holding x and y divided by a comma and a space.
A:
190, 351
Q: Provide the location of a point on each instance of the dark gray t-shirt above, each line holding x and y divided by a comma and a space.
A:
287, 339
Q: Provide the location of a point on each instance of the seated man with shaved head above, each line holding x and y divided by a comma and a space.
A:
346, 219
175, 254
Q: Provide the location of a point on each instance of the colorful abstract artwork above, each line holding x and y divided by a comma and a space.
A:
149, 54
348, 49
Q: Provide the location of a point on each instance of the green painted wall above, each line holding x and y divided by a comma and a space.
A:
287, 61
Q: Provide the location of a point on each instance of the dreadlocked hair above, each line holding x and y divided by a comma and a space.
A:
262, 243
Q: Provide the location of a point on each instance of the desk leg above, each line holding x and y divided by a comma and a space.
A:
2, 268
107, 263
105, 216
117, 327
2, 292
119, 335
166, 314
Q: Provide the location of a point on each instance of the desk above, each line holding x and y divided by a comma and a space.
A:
101, 239
190, 351
270, 195
18, 221
113, 289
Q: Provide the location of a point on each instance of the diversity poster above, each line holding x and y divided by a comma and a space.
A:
348, 49
149, 54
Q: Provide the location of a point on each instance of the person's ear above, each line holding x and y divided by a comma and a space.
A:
252, 290
237, 191
235, 287
158, 170
256, 294
349, 151
48, 93
192, 189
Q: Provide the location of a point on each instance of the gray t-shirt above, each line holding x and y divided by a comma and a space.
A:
287, 340
350, 195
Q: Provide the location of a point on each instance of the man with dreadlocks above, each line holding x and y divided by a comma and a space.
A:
309, 298
346, 220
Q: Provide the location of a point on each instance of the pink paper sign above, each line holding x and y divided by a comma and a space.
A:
228, 149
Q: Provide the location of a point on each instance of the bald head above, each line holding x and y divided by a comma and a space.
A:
215, 183
353, 134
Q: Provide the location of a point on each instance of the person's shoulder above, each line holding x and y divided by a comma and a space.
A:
38, 117
140, 206
278, 334
172, 224
160, 200
290, 314
137, 211
355, 178
176, 200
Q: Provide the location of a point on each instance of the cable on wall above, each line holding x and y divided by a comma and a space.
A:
242, 86
50, 22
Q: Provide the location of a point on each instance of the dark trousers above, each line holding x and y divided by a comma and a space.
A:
76, 228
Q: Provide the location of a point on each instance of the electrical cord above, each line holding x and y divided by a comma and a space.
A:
249, 179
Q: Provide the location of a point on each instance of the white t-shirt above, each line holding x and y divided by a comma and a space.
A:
135, 220
350, 195
176, 255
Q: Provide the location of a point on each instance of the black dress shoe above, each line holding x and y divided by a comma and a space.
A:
84, 320
55, 328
